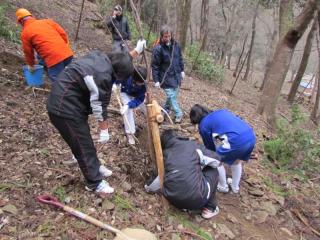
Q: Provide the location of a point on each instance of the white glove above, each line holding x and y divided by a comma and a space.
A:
183, 75
124, 109
114, 87
157, 85
104, 136
207, 161
141, 45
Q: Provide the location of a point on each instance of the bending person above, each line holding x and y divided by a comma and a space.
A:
191, 177
230, 137
85, 87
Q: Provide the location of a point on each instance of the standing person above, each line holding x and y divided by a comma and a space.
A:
191, 177
231, 137
117, 23
47, 39
85, 87
168, 70
132, 94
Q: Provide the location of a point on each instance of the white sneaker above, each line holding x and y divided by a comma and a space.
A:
234, 190
207, 213
222, 189
131, 140
102, 189
105, 172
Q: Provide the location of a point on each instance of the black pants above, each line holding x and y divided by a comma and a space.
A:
212, 177
76, 133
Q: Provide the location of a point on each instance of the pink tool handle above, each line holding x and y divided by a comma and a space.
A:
50, 200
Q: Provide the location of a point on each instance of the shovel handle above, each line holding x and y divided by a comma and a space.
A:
47, 199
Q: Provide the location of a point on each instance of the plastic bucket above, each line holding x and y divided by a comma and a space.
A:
34, 79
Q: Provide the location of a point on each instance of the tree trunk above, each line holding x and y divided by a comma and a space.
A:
272, 44
303, 64
240, 56
204, 23
253, 34
183, 15
276, 74
285, 17
314, 112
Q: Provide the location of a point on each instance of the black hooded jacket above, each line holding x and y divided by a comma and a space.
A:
121, 23
84, 87
184, 186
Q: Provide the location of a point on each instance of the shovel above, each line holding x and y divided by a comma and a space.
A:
126, 234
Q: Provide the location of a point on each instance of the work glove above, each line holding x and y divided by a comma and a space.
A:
31, 68
124, 109
157, 85
115, 87
207, 161
183, 75
104, 136
141, 45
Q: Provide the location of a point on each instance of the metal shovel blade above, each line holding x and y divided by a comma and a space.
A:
135, 234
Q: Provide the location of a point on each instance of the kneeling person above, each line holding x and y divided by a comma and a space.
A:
191, 177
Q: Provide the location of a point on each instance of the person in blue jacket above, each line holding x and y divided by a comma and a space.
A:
132, 95
230, 137
168, 70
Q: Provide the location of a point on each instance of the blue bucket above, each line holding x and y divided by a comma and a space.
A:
34, 79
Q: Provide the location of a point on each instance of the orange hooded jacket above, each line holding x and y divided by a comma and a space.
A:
48, 39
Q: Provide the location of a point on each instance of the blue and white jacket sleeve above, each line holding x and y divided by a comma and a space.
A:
100, 93
137, 100
207, 138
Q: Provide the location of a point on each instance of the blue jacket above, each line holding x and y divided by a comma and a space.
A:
133, 90
161, 61
227, 134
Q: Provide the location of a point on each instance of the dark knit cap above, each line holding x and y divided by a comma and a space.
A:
122, 64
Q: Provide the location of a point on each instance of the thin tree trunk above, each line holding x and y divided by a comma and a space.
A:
183, 15
234, 84
253, 34
314, 112
79, 21
204, 23
272, 44
315, 87
240, 56
191, 33
303, 64
276, 74
229, 60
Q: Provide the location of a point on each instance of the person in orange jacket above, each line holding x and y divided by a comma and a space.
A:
48, 39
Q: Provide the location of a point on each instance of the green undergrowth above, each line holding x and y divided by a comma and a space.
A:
203, 64
293, 154
8, 29
123, 203
294, 150
181, 218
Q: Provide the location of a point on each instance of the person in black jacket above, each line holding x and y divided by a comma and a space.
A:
191, 177
168, 70
84, 87
117, 23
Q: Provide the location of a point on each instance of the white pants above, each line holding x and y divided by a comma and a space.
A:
129, 126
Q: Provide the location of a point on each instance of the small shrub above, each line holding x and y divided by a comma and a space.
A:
8, 30
60, 193
204, 65
294, 148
